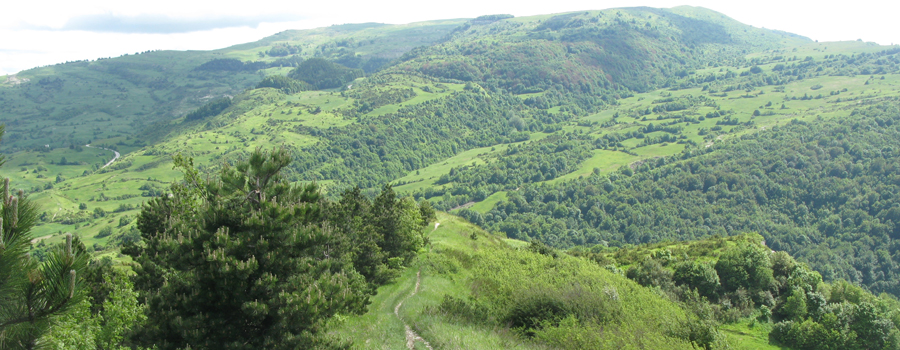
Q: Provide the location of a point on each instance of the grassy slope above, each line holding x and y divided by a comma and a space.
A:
449, 268
749, 335
381, 329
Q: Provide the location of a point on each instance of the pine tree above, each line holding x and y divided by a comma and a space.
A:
383, 234
245, 261
33, 292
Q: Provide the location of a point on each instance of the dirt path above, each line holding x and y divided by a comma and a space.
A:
36, 240
411, 336
112, 160
463, 206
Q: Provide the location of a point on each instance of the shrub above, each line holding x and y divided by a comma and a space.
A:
537, 311
104, 232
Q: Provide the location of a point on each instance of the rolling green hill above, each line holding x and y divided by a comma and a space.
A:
423, 122
109, 99
599, 130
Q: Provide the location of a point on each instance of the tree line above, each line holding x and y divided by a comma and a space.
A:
824, 192
243, 260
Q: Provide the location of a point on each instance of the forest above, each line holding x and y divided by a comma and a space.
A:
822, 191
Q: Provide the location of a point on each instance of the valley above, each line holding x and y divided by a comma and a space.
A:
607, 153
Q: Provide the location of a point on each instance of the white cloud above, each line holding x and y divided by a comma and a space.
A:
158, 23
34, 48
88, 29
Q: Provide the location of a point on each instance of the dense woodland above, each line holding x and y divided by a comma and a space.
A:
823, 191
372, 153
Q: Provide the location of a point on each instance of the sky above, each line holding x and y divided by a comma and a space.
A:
38, 33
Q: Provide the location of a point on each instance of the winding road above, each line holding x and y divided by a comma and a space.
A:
113, 151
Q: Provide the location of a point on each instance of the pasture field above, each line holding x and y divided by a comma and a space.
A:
60, 179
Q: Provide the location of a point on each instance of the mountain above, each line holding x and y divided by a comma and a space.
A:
127, 95
590, 131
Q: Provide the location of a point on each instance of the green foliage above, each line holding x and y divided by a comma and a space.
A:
486, 294
526, 290
74, 330
230, 65
491, 18
540, 248
534, 162
251, 271
842, 326
812, 314
558, 86
537, 311
369, 154
106, 328
650, 273
141, 90
104, 232
746, 266
33, 292
210, 109
283, 83
384, 233
121, 312
594, 52
283, 50
399, 222
248, 260
324, 74
697, 275
794, 307
795, 183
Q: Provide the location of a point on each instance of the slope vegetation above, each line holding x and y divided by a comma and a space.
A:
477, 292
519, 124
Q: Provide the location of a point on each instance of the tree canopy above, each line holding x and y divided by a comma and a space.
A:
248, 260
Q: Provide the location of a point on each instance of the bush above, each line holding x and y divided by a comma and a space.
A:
104, 232
463, 310
285, 84
650, 273
537, 311
746, 266
697, 275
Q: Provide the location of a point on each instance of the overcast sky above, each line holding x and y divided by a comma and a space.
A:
37, 33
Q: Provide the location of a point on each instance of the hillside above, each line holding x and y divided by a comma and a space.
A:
729, 80
111, 99
460, 295
633, 49
599, 132
473, 290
